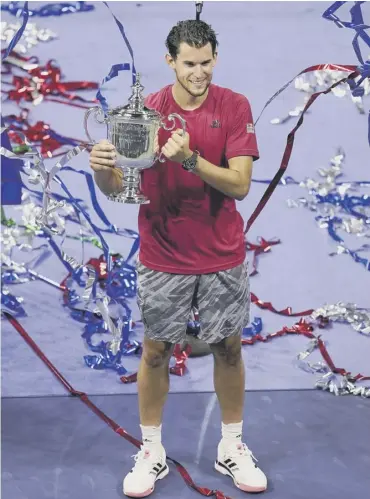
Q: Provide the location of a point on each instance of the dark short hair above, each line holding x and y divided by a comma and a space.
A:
194, 33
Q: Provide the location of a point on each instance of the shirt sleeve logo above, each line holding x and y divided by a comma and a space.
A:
250, 128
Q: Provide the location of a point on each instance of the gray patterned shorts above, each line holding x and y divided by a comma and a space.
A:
165, 302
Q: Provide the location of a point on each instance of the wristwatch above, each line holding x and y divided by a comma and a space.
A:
190, 164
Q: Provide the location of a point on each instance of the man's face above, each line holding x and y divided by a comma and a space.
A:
194, 68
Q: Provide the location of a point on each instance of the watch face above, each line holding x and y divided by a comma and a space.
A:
190, 163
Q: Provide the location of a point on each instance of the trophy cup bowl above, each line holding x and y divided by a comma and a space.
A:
132, 129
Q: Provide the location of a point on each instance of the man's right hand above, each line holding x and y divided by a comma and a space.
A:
103, 156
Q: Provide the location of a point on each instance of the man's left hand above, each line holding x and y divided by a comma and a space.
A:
177, 147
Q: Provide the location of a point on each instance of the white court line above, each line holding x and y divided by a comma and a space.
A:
203, 429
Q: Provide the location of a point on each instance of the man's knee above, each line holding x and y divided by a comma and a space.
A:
156, 353
228, 350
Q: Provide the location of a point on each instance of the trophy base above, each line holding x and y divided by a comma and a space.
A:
131, 191
128, 198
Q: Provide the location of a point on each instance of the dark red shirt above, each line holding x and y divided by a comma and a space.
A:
189, 227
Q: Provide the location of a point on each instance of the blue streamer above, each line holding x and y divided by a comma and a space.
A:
123, 271
66, 264
357, 24
11, 276
331, 227
254, 329
122, 30
113, 290
11, 180
116, 68
355, 256
12, 303
99, 211
291, 181
19, 33
347, 203
121, 285
91, 186
92, 225
50, 9
105, 359
38, 195
64, 140
282, 181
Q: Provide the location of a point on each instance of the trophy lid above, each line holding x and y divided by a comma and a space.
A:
135, 106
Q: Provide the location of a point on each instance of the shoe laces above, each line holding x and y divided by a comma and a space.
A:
241, 450
145, 460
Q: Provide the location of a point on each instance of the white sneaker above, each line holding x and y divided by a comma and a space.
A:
237, 461
149, 467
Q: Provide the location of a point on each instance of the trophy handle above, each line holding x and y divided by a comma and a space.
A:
172, 117
99, 117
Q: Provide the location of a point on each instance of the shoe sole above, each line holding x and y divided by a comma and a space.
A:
147, 493
244, 488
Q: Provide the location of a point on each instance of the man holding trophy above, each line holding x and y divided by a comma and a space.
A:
192, 246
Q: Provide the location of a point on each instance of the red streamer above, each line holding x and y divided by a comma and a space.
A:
263, 247
290, 139
286, 311
181, 357
44, 83
301, 327
338, 370
100, 266
305, 328
179, 369
40, 134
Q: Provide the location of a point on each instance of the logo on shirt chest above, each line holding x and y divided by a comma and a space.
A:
215, 124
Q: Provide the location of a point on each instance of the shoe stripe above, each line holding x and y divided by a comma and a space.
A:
230, 464
161, 469
226, 467
158, 469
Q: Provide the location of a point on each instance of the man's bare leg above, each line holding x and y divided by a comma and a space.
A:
229, 378
153, 381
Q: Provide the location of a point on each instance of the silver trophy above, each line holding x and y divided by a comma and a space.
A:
132, 130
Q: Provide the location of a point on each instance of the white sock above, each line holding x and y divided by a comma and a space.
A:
232, 433
152, 436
